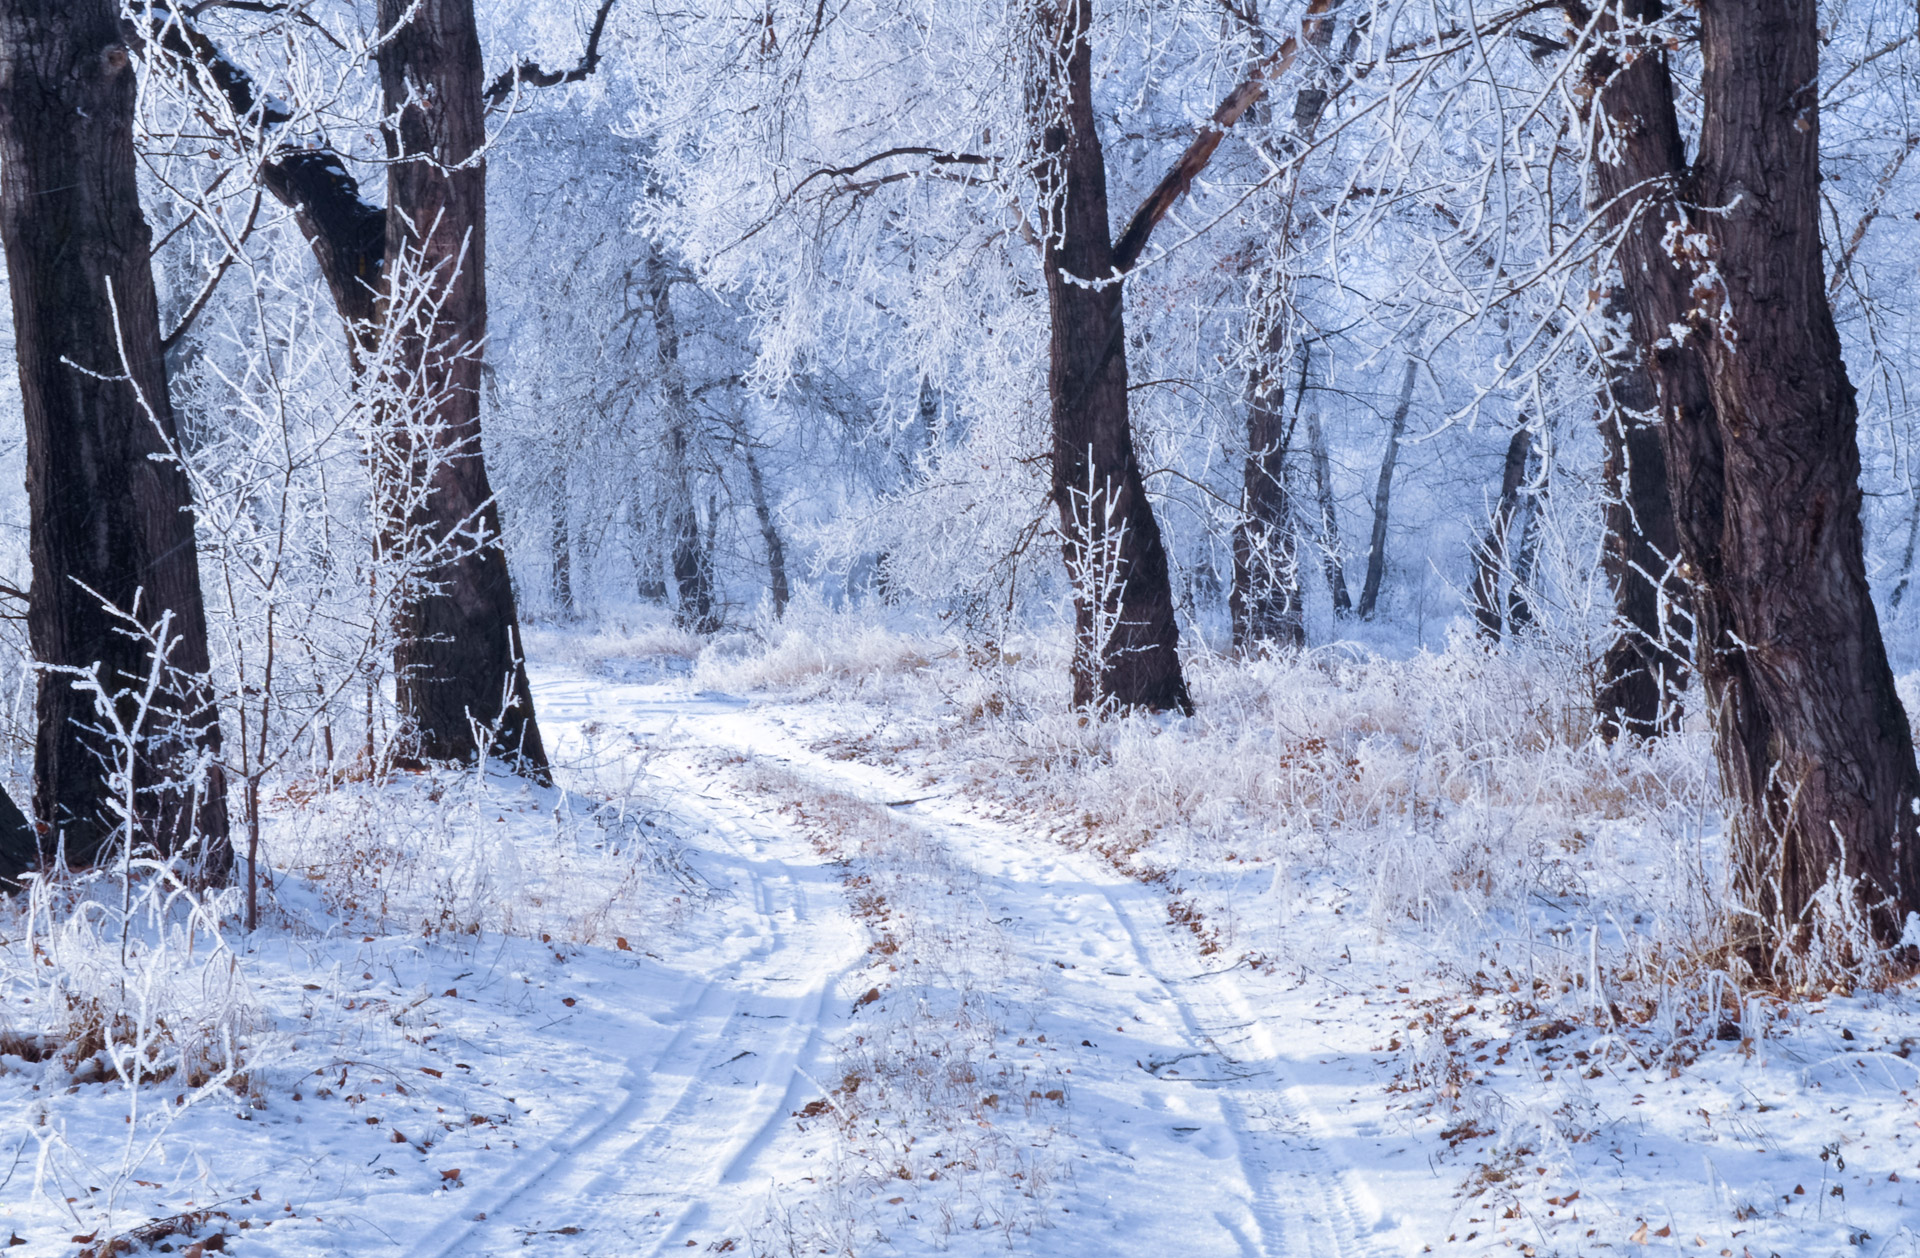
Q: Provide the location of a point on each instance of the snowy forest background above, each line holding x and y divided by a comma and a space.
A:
703, 318
765, 405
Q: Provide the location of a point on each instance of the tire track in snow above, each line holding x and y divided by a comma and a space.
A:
675, 1153
1298, 1200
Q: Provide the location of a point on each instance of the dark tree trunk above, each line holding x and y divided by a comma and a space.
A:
1830, 782
1265, 600
1111, 540
1382, 497
458, 658
1490, 561
562, 543
692, 558
1330, 561
769, 534
17, 848
107, 511
1526, 546
1641, 675
1642, 170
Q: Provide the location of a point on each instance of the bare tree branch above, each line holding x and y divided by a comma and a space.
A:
941, 157
1180, 178
530, 73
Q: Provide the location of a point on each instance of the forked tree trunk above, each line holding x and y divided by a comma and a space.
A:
1127, 642
109, 515
458, 659
1641, 169
471, 625
1383, 497
1265, 600
692, 558
1759, 430
1832, 786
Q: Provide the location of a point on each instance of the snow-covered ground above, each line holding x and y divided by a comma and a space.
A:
824, 948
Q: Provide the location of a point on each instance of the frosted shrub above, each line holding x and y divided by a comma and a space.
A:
124, 980
810, 649
135, 983
466, 851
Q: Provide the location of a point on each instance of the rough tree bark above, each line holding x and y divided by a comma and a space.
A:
1382, 497
1759, 430
109, 518
1832, 787
1097, 485
1642, 171
692, 559
457, 661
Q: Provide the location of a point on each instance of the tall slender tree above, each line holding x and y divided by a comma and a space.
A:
1265, 602
1383, 496
115, 570
457, 658
1105, 518
692, 554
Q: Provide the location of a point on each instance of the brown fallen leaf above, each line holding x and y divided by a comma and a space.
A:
1639, 1236
453, 1174
620, 942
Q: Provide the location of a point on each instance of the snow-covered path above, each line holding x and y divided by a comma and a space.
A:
1191, 1132
682, 1127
